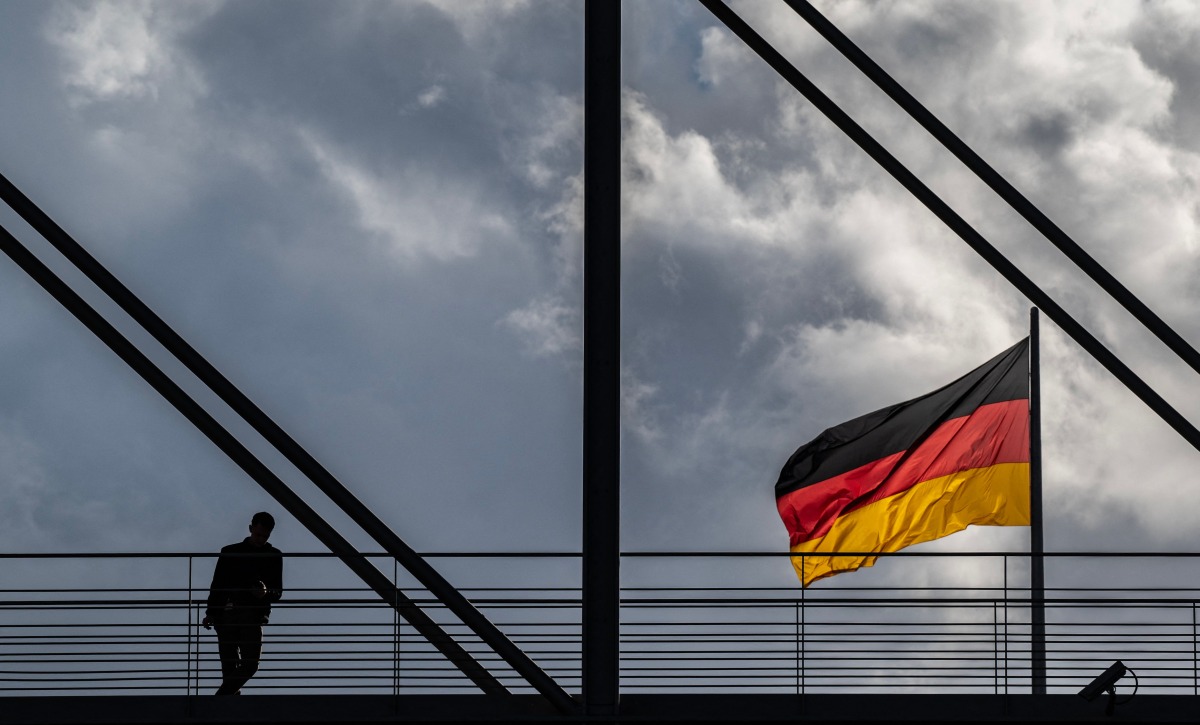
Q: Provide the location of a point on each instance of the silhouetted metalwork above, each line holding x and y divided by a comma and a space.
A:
984, 639
998, 183
601, 355
277, 437
245, 460
332, 637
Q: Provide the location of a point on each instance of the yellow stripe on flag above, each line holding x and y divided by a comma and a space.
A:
994, 496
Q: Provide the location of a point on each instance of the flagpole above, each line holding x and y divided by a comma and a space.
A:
1037, 571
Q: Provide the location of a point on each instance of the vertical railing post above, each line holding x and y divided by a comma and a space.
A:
803, 626
396, 640
797, 606
191, 632
1005, 624
995, 647
1195, 658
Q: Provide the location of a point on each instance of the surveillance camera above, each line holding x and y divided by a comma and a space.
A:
1103, 683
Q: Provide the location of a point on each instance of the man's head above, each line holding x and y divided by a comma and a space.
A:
261, 526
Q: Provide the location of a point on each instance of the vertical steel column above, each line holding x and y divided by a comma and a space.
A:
602, 356
1037, 561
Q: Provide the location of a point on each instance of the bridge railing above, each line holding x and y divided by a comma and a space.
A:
690, 622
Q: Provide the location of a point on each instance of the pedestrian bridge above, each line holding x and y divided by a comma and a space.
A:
116, 637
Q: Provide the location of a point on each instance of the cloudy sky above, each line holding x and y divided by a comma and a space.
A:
368, 216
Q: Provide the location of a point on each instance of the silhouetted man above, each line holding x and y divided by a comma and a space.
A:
248, 577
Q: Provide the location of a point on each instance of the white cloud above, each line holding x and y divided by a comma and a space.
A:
554, 134
672, 181
23, 488
638, 403
674, 184
722, 56
431, 96
476, 17
137, 99
676, 190
417, 215
547, 325
118, 50
541, 152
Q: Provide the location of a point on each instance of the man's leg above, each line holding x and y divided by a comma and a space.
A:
249, 645
227, 649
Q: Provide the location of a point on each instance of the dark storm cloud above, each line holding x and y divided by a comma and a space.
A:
273, 139
368, 216
1163, 39
1076, 125
351, 75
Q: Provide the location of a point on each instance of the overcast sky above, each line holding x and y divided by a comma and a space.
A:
368, 216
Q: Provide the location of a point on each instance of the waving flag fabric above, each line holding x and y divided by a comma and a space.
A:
912, 472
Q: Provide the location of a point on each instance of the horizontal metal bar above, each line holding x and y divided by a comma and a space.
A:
331, 639
630, 554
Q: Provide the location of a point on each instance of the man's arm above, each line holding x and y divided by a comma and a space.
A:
218, 591
273, 578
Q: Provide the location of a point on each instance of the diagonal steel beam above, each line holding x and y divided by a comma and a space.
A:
957, 224
420, 569
246, 460
998, 184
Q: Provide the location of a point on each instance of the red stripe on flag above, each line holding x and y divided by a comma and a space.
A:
995, 433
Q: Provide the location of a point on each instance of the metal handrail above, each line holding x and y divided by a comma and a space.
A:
119, 627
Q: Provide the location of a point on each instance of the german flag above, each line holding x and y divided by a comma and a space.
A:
912, 472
